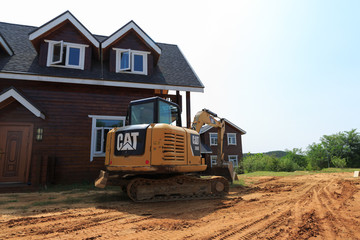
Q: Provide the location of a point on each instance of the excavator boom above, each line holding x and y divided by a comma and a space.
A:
210, 118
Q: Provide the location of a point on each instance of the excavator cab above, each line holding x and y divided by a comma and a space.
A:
153, 110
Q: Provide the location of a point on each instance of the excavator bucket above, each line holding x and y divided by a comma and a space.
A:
100, 182
225, 170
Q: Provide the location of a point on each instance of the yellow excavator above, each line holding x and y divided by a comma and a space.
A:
154, 159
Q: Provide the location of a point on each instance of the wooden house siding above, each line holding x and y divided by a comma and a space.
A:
67, 126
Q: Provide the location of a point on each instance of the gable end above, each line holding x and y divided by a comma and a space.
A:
13, 93
122, 31
58, 21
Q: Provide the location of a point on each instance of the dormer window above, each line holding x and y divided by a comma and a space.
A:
64, 54
131, 61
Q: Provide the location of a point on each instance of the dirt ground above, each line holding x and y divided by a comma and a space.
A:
322, 206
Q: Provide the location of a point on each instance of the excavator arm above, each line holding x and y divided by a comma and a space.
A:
210, 118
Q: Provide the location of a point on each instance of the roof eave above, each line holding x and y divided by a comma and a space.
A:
58, 20
6, 46
208, 127
124, 30
99, 82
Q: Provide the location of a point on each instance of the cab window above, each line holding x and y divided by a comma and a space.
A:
167, 113
142, 113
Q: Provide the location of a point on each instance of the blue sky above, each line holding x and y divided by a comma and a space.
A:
285, 71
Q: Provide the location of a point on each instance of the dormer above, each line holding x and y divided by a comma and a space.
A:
131, 50
5, 47
64, 42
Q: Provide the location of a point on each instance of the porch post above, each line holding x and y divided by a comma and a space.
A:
188, 110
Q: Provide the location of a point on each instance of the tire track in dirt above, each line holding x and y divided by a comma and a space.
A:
330, 222
274, 220
322, 206
67, 222
278, 220
330, 210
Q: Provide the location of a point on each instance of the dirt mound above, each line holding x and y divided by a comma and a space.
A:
322, 206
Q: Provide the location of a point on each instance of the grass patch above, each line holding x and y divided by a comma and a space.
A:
274, 174
238, 183
24, 208
73, 188
337, 170
8, 201
76, 188
112, 197
296, 173
44, 203
71, 200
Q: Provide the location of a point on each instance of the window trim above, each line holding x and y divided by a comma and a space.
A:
213, 157
237, 160
211, 136
118, 69
93, 152
68, 45
129, 61
52, 51
67, 63
229, 136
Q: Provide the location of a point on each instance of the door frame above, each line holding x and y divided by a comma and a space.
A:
29, 144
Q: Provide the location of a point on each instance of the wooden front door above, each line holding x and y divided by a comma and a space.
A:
15, 152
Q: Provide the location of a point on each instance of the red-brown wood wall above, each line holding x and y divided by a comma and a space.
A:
67, 127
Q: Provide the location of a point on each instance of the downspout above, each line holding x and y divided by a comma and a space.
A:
101, 62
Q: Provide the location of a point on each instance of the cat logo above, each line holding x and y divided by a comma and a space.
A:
130, 140
195, 144
195, 139
127, 141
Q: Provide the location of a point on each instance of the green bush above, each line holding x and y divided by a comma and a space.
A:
287, 165
239, 170
261, 162
338, 162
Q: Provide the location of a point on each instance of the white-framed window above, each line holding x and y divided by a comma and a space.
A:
101, 125
213, 159
213, 139
64, 54
234, 160
131, 61
231, 137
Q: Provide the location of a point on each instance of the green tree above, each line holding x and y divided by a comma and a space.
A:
317, 157
297, 156
343, 145
352, 148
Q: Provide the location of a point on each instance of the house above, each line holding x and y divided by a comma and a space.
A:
63, 88
232, 143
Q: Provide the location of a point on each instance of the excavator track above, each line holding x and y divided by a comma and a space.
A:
180, 187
